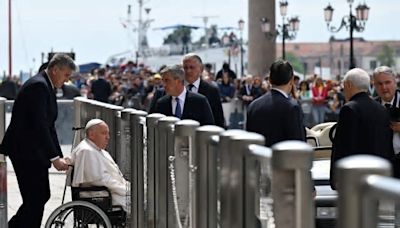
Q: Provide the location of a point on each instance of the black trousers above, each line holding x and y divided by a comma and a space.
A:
33, 181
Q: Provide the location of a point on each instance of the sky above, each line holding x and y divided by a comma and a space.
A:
93, 29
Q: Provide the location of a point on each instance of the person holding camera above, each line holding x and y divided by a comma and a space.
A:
388, 95
363, 126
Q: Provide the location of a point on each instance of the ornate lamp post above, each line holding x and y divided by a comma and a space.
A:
288, 29
241, 27
350, 22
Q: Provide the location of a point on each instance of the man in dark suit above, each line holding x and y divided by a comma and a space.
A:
101, 88
363, 126
193, 66
389, 96
31, 140
275, 115
182, 103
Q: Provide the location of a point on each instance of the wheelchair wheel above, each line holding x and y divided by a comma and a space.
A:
78, 214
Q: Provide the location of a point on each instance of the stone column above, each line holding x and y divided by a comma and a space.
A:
261, 51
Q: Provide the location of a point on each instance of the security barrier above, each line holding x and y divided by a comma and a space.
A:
362, 181
184, 175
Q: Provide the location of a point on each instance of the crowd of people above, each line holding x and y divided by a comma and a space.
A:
134, 86
279, 107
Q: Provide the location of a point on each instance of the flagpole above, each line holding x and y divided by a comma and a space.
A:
9, 40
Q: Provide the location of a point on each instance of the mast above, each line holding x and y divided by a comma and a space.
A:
9, 40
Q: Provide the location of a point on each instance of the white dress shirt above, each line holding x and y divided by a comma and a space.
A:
181, 98
195, 88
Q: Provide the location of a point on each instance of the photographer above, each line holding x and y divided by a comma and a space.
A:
388, 95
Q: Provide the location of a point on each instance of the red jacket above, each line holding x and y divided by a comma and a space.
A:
319, 98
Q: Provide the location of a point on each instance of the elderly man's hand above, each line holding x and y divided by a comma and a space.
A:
395, 126
60, 164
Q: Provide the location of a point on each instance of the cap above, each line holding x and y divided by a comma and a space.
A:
93, 122
157, 76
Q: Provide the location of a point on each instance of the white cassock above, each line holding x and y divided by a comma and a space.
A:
95, 167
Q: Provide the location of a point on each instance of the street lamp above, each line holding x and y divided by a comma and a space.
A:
241, 27
350, 22
288, 29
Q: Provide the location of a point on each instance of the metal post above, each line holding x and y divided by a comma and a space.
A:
241, 55
137, 121
124, 145
185, 168
205, 206
225, 157
375, 188
164, 149
80, 115
3, 169
292, 185
350, 171
110, 114
352, 22
2, 117
237, 145
284, 34
151, 122
257, 158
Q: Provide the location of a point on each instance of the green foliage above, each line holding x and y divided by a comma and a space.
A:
179, 36
295, 61
386, 56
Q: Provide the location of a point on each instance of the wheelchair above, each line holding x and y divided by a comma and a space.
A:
91, 206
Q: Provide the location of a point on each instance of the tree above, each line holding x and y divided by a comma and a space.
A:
295, 61
386, 56
180, 35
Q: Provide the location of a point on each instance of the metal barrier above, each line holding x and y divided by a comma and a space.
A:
292, 185
124, 145
3, 169
204, 208
225, 158
359, 190
238, 144
111, 115
165, 137
152, 131
137, 122
180, 171
257, 192
183, 169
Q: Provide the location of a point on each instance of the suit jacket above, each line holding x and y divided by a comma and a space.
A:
394, 115
255, 92
196, 107
276, 117
212, 95
31, 135
101, 90
363, 128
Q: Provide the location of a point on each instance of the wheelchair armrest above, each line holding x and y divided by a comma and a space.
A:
98, 195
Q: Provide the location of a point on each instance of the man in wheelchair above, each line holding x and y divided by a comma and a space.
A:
93, 165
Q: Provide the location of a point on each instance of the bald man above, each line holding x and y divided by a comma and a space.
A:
93, 165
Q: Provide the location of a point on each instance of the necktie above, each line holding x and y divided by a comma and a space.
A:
388, 106
178, 109
190, 87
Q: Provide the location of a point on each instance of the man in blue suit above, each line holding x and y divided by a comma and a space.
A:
276, 115
179, 101
31, 140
